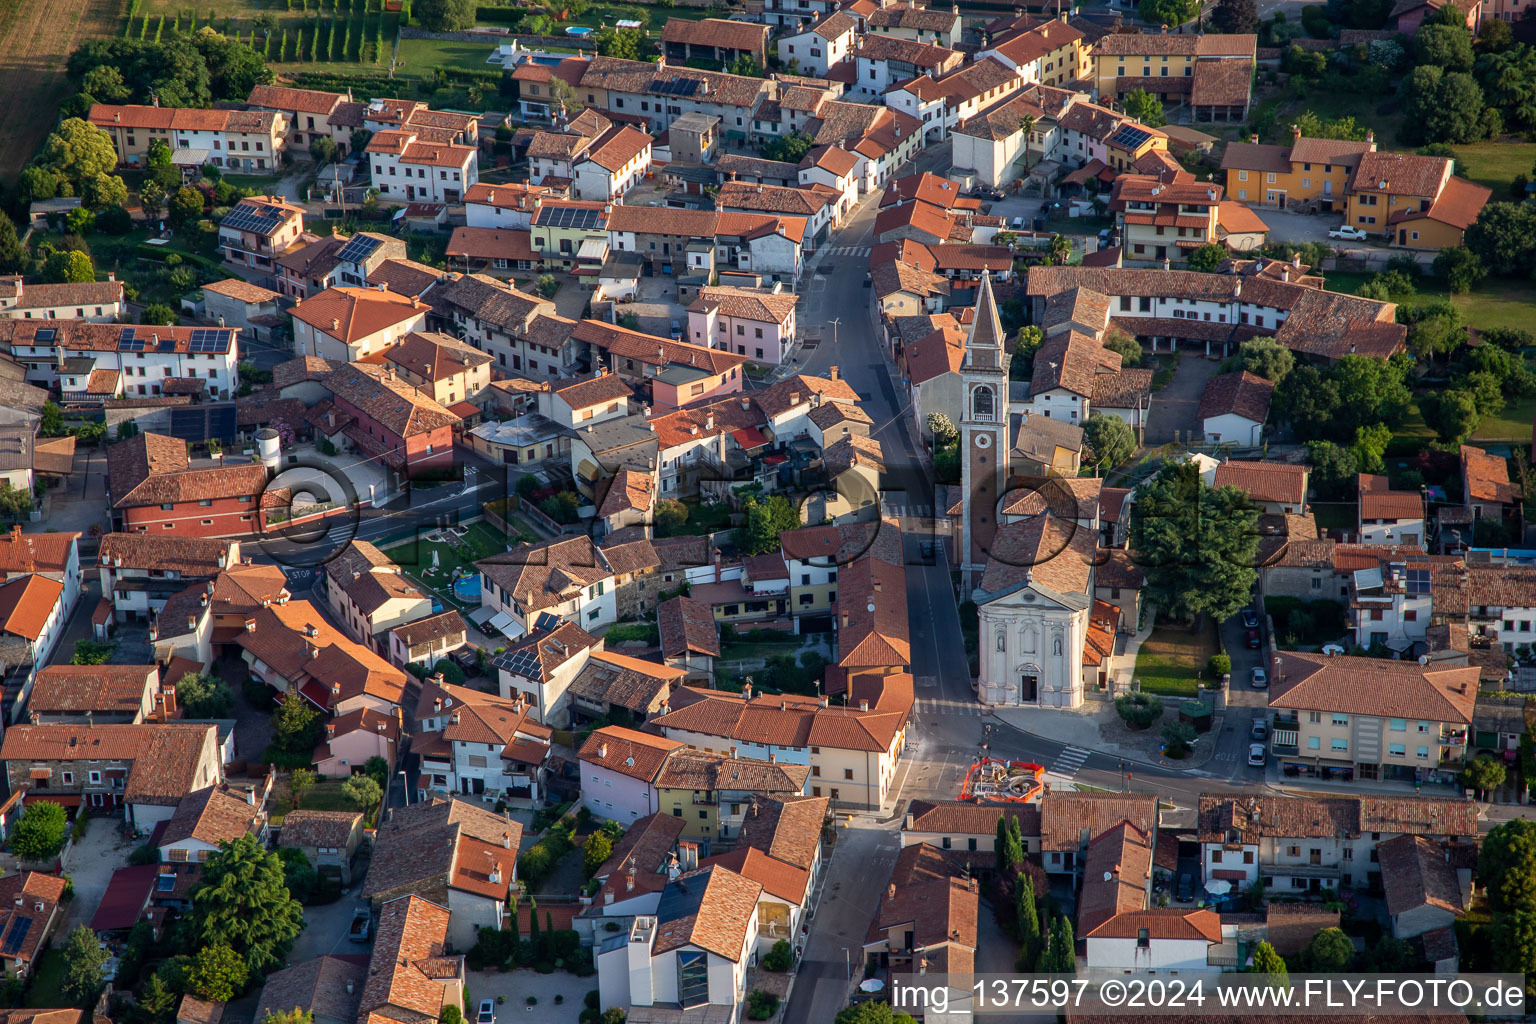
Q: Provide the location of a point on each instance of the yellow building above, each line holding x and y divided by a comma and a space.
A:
1178, 69
1052, 53
713, 792
1413, 200
560, 226
1309, 174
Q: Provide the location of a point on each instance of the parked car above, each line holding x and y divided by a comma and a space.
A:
362, 924
1260, 679
982, 192
927, 548
487, 1014
677, 331
1186, 888
1252, 640
1017, 224
1260, 730
1347, 233
1250, 619
1256, 754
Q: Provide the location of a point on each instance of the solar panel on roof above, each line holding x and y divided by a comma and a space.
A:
189, 424
221, 422
546, 621
1130, 137
17, 936
167, 345
359, 249
251, 218
569, 217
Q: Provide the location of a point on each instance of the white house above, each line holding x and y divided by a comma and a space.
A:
32, 619
693, 953
427, 172
148, 361
835, 168
883, 61
96, 301
567, 577
207, 817
1388, 516
539, 668
818, 46
346, 324
1163, 940
503, 206
1234, 407
752, 322
478, 743
618, 772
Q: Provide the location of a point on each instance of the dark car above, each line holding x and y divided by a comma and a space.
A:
1186, 889
927, 548
980, 192
1251, 638
1250, 619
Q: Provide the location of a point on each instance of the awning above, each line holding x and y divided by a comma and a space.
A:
506, 625
749, 438
593, 249
479, 615
40, 773
316, 693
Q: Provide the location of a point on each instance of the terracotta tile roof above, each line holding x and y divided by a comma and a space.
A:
712, 908
909, 16
1043, 550
21, 894
1072, 362
939, 912
698, 423
831, 158
1031, 44
301, 369
443, 843
628, 557
939, 353
181, 118
36, 552
319, 985
616, 148
308, 101
405, 976
834, 546
623, 681
877, 638
1458, 205
1038, 437
827, 416
433, 627
1116, 872
211, 816
26, 603
435, 356
242, 291
491, 244
639, 77
959, 818
1234, 217
641, 854
891, 278
165, 757
319, 828
241, 589
851, 452
687, 626
630, 491
86, 688
1486, 476
296, 641
716, 32
539, 576
747, 303
875, 47
1161, 923
1244, 394
1226, 818
706, 770
597, 388
787, 830
1371, 686
1068, 820
368, 577
1379, 501
777, 878
635, 754
262, 206
491, 301
1415, 873
389, 401
652, 350
1063, 497
1221, 83
800, 389
1265, 481
352, 314
1400, 174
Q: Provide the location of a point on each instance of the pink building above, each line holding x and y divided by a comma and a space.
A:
355, 737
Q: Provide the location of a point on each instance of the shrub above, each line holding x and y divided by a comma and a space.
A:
1177, 736
41, 831
1218, 666
1138, 710
779, 958
761, 1005
451, 672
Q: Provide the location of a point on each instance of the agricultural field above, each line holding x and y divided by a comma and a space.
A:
36, 38
302, 36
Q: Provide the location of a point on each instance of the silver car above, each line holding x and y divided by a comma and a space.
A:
1256, 754
1260, 679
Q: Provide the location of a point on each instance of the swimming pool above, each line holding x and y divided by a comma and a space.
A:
579, 30
467, 588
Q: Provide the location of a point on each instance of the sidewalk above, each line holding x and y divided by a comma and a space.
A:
1093, 726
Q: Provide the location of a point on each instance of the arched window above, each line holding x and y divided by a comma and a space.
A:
981, 404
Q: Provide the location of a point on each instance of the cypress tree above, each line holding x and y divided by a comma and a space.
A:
1028, 916
1001, 845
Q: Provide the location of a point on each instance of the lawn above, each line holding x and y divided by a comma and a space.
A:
1495, 164
326, 796
1497, 302
418, 57
414, 556
1171, 661
47, 986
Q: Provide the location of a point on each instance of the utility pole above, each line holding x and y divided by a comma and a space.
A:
834, 324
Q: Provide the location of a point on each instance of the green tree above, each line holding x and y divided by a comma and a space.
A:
1444, 46
547, 285
669, 516
377, 769
1460, 268
1208, 257
1110, 438
68, 266
745, 66
91, 652
943, 429
1027, 917
159, 313
105, 83
297, 1015
14, 258
1504, 238
866, 1013
234, 68
1370, 390
1267, 961
152, 200
1484, 773
1371, 447
156, 1001
1329, 952
363, 792
1122, 344
41, 832
623, 43
1168, 13
185, 207
1142, 105
300, 782
1506, 864
780, 957
596, 852
51, 422
299, 875
243, 903
158, 154
1235, 17
1265, 357
218, 974
84, 958
1138, 710
1198, 545
1177, 737
1452, 415
1000, 847
1515, 942
1458, 113
1061, 953
203, 696
790, 148
295, 724
444, 15
1314, 127
79, 151
323, 149
102, 191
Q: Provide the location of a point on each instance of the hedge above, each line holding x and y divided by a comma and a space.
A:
499, 15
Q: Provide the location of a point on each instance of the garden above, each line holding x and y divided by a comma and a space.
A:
1172, 660
436, 559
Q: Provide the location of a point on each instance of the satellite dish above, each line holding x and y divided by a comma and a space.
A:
1109, 876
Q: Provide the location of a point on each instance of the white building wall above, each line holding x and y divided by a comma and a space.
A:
1157, 955
1230, 428
610, 794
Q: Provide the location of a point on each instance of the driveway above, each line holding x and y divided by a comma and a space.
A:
1298, 228
91, 861
1174, 415
81, 501
325, 930
516, 986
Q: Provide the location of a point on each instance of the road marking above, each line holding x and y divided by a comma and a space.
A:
848, 250
963, 709
1070, 760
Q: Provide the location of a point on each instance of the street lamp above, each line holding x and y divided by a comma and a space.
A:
404, 785
834, 324
847, 966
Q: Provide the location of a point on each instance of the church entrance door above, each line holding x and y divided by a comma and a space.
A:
1027, 687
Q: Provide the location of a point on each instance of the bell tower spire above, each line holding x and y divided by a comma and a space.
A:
983, 434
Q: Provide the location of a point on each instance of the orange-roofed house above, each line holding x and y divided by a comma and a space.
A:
619, 768
350, 323
310, 113
258, 230
411, 975
242, 141
386, 419
152, 489
1415, 201
33, 617
479, 743
407, 166
752, 322
1388, 516
1485, 483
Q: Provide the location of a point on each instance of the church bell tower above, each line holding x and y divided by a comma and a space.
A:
983, 435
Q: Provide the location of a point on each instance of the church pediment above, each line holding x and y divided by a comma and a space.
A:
1031, 595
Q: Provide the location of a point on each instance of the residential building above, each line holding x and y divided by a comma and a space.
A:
353, 739
92, 301
152, 487
1304, 844
439, 126
33, 619
1380, 719
819, 44
619, 768
240, 141
715, 40
539, 668
1044, 447
1485, 486
611, 684
916, 23
139, 572
508, 206
1309, 174
30, 910
713, 792
692, 952
568, 577
206, 818
238, 303
478, 743
1423, 890
537, 100
662, 92
320, 265
410, 974
834, 168
406, 166
309, 113
1205, 77
521, 332
597, 159
462, 854
1167, 217
426, 640
708, 444
749, 322
769, 245
369, 594
328, 839
788, 830
884, 60
1069, 822
291, 646
927, 916
259, 229
330, 987
563, 228
54, 555
138, 361
968, 831
94, 693
629, 501
1413, 200
351, 323
1275, 487
675, 373
789, 14
1052, 53
440, 366
1387, 516
145, 769
1234, 408
387, 420
690, 638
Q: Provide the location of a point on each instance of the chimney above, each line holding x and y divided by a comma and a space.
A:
890, 891
823, 701
506, 840
832, 372
250, 795
845, 620
437, 704
335, 324
602, 751
746, 692
1370, 137
863, 705
1253, 139
746, 405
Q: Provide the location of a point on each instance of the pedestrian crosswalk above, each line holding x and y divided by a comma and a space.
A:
1070, 760
913, 511
959, 708
848, 250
